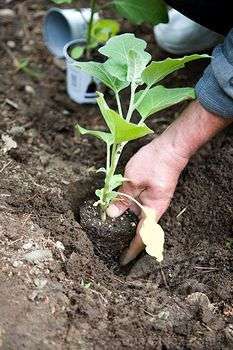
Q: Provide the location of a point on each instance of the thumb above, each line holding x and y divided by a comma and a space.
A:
121, 204
135, 248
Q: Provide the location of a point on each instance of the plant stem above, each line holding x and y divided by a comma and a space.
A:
142, 96
131, 103
116, 149
89, 28
119, 103
108, 157
132, 199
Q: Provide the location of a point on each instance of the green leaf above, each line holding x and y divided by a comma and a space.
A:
156, 71
121, 130
23, 63
77, 52
139, 11
108, 197
104, 29
117, 70
159, 98
128, 57
119, 47
59, 2
98, 70
33, 72
136, 65
104, 136
85, 285
116, 181
100, 193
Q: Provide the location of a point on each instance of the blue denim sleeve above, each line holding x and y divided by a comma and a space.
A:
215, 88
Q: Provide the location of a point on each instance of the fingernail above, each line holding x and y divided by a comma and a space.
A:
113, 211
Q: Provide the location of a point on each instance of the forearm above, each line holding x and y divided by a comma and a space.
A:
193, 129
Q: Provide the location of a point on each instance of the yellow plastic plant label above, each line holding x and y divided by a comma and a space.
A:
152, 234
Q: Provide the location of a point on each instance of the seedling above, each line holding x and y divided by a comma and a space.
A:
85, 285
98, 32
24, 65
128, 65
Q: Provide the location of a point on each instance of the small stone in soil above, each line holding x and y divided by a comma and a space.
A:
40, 283
11, 44
7, 13
59, 245
33, 295
38, 256
17, 130
27, 245
29, 89
17, 263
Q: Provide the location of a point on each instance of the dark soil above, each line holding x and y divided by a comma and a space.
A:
109, 238
70, 298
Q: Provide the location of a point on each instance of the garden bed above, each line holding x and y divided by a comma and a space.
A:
68, 296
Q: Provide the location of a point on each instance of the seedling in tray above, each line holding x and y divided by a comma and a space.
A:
128, 65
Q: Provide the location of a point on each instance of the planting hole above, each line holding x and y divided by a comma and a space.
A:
109, 238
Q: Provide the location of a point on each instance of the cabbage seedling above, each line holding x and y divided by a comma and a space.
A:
128, 65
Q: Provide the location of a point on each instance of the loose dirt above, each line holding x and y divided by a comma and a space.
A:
73, 298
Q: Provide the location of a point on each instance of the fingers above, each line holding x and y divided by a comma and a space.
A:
135, 208
135, 247
159, 205
121, 204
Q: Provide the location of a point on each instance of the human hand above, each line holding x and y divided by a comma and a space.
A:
154, 170
152, 175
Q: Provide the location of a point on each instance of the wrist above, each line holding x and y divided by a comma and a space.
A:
165, 152
192, 129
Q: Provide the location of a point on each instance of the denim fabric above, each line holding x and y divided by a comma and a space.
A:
215, 89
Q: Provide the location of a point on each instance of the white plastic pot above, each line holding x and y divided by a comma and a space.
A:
62, 26
81, 87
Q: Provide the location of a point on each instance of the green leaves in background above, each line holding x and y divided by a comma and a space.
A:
159, 98
98, 70
139, 11
77, 52
104, 29
59, 2
156, 71
136, 11
23, 65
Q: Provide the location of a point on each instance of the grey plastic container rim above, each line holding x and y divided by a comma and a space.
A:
70, 31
